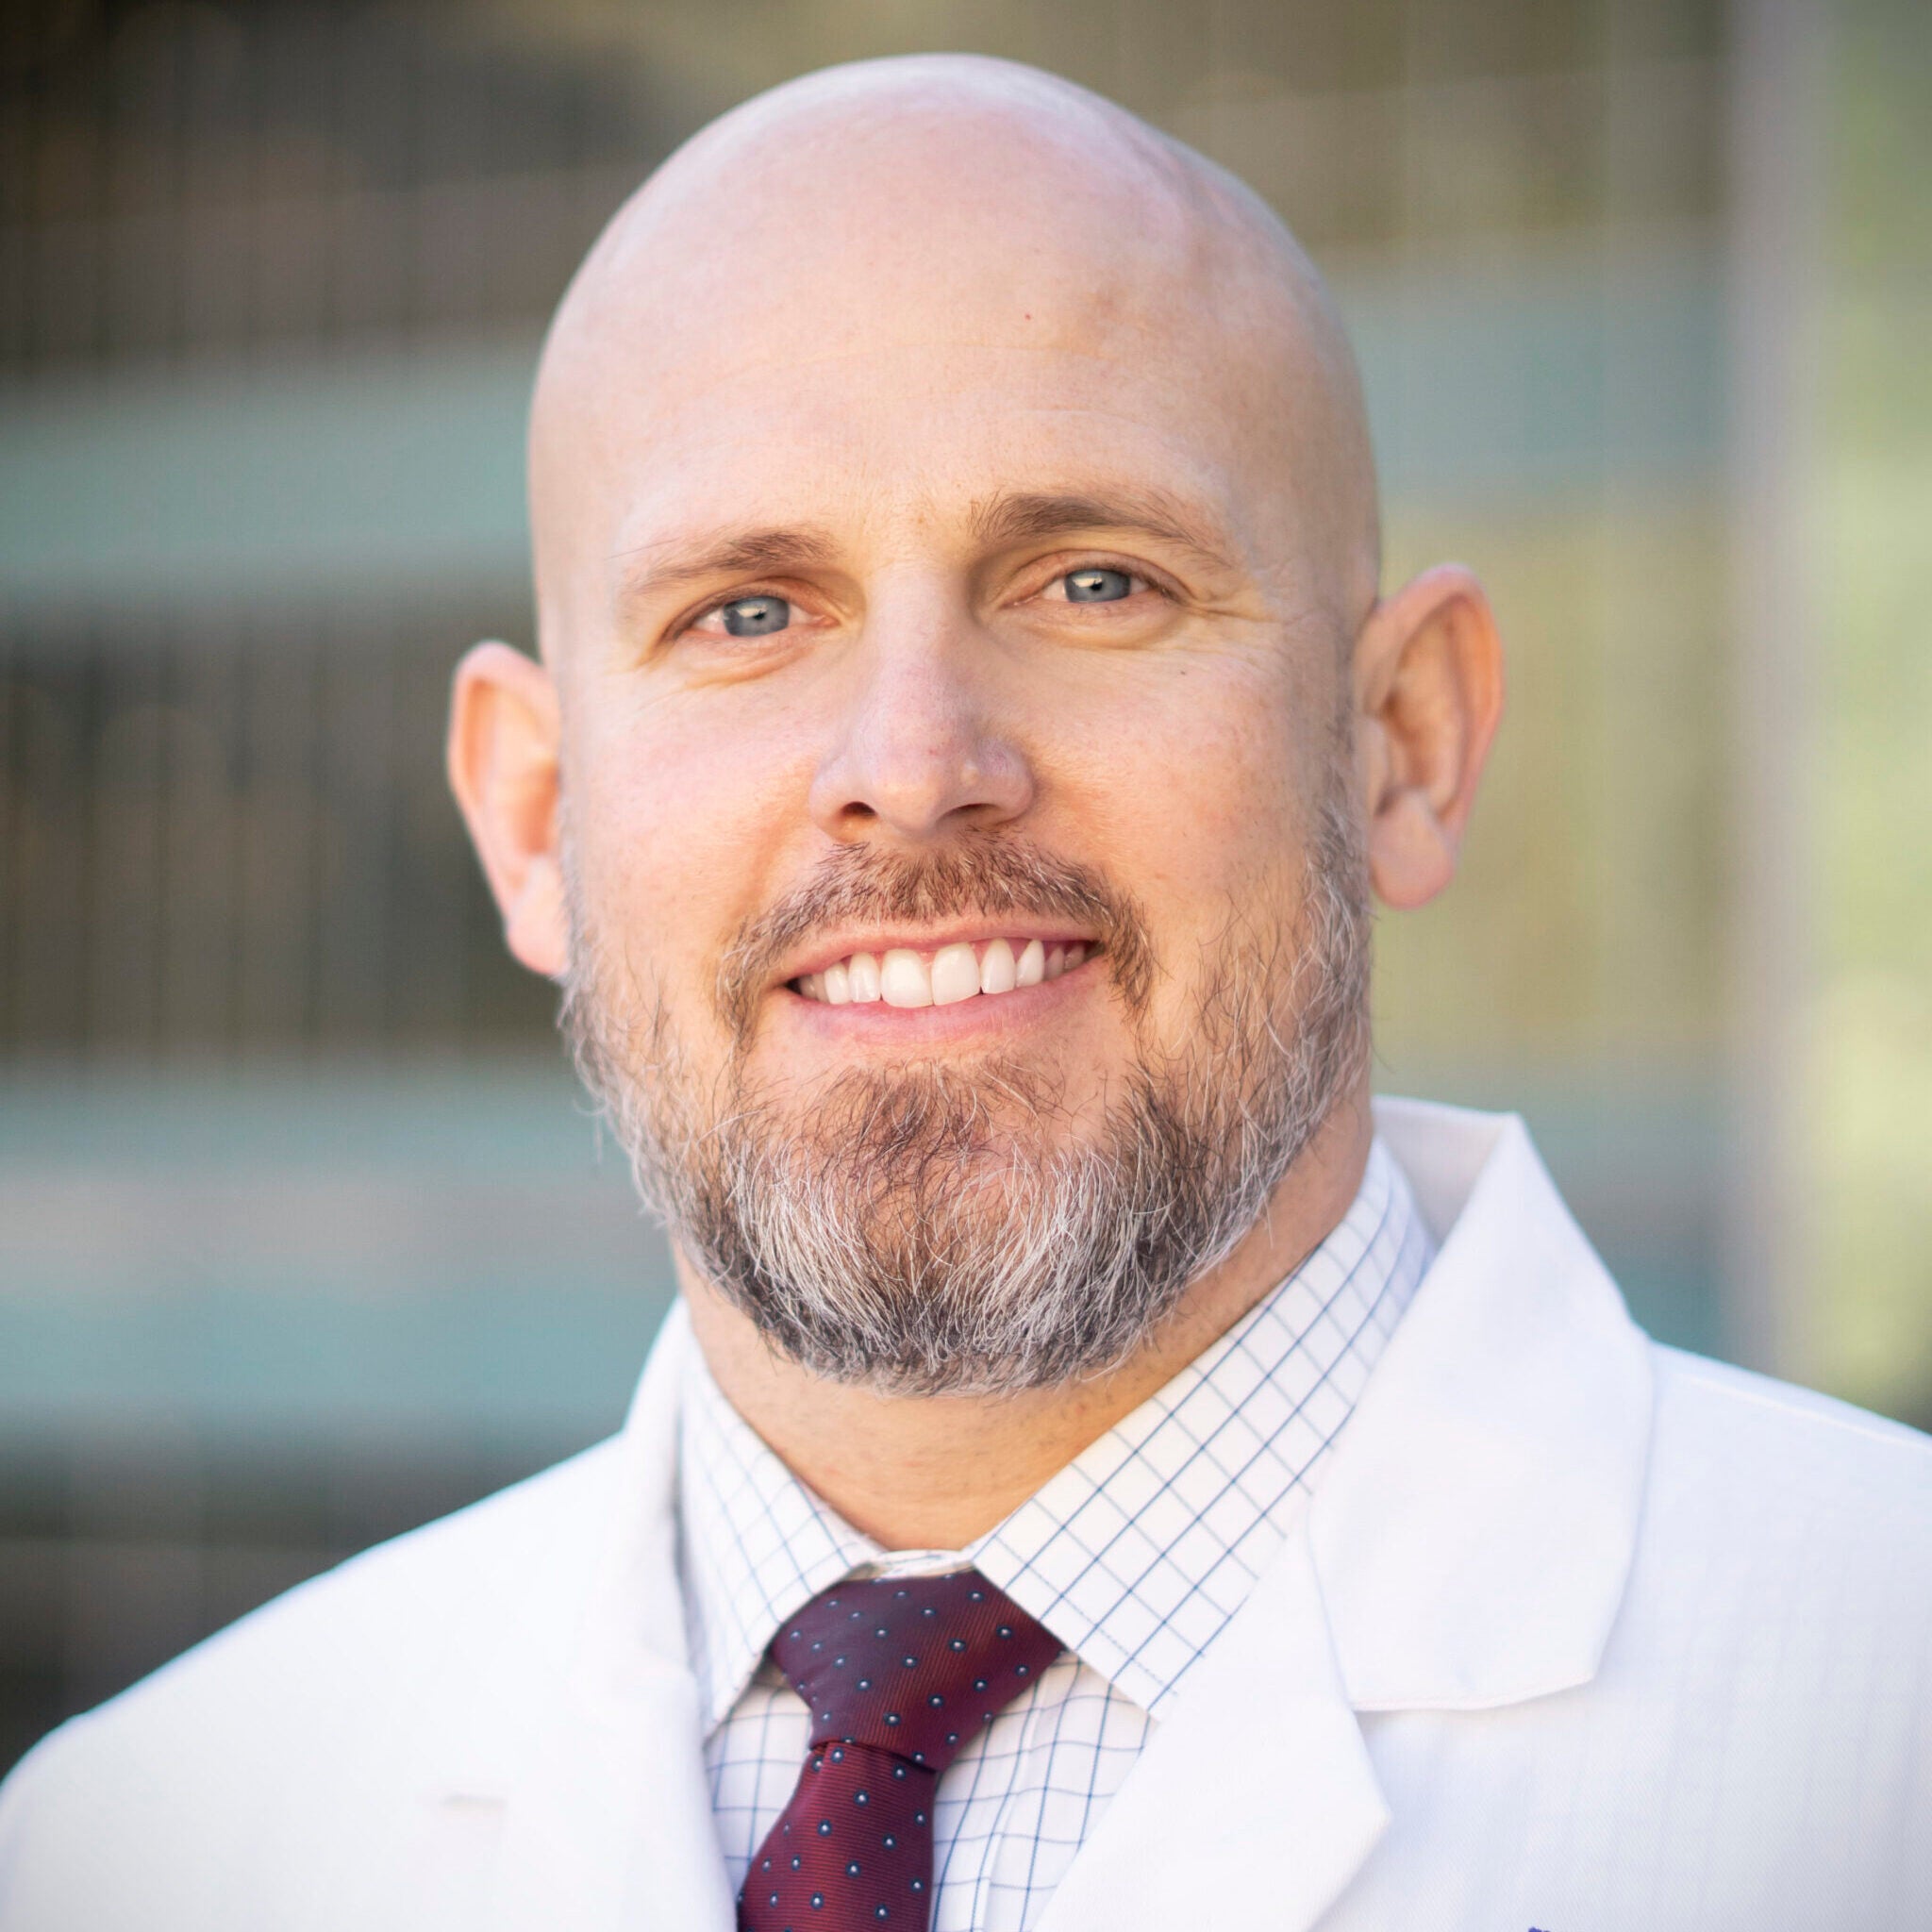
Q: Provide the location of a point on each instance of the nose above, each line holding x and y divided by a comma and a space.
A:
918, 754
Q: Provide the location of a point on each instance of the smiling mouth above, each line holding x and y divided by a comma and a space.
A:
902, 977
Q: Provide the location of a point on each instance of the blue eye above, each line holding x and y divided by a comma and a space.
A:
756, 617
1097, 586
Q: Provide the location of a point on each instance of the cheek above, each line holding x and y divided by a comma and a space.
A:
1196, 785
679, 833
1197, 781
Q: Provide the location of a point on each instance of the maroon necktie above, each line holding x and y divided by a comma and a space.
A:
899, 1673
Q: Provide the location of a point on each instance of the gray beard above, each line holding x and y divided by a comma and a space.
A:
923, 1230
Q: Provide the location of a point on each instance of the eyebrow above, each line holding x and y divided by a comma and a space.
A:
998, 522
741, 552
1022, 517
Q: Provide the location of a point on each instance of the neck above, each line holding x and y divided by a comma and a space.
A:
935, 1471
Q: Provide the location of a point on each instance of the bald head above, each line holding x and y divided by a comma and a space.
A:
945, 223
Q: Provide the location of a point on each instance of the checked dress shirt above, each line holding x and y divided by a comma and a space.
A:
1135, 1556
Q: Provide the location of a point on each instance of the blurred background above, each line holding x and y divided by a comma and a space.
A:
305, 1235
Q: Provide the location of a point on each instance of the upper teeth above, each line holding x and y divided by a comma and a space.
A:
901, 977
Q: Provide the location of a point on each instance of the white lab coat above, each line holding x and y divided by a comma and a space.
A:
1579, 1633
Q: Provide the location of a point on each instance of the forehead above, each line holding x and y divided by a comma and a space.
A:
848, 233
903, 426
847, 343
911, 444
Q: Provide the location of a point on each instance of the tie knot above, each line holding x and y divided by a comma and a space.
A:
912, 1665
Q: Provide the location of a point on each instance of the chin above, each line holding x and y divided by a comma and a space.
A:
987, 1110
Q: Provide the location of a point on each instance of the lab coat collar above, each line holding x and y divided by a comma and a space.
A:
1468, 1547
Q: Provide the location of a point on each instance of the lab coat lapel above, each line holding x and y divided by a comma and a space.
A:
1253, 1803
1468, 1547
610, 1827
611, 1830
592, 1784
1474, 1530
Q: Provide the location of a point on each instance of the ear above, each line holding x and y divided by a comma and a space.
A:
505, 736
1428, 691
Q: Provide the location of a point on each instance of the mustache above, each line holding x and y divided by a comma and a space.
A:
979, 873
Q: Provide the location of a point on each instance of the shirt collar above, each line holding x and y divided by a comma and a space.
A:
754, 1544
1137, 1552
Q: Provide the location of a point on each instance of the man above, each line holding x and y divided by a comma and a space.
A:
1100, 1474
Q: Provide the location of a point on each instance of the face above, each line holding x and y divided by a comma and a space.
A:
965, 888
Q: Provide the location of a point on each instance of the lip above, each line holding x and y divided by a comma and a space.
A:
873, 1023
978, 932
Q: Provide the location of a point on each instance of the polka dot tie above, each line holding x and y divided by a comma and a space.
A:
899, 1673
